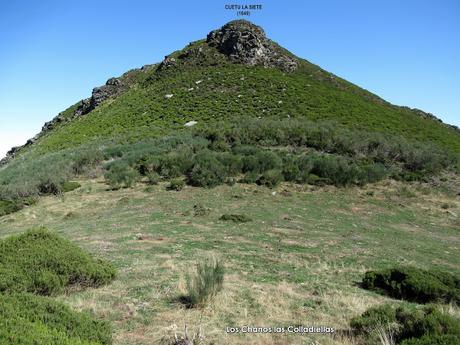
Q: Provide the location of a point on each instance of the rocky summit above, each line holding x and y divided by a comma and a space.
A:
246, 43
235, 71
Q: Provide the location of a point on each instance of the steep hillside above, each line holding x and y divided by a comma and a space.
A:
236, 71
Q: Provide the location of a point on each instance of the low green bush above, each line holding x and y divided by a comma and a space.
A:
9, 206
199, 210
270, 178
153, 178
408, 325
414, 284
445, 339
250, 177
69, 186
176, 184
120, 175
84, 159
207, 171
42, 262
205, 283
28, 319
236, 218
262, 161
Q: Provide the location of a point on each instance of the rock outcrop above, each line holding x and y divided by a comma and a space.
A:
246, 43
112, 88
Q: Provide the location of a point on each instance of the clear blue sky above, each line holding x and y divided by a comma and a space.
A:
52, 53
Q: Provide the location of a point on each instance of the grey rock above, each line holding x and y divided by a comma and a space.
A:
246, 43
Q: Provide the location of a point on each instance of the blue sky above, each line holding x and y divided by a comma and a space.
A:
52, 53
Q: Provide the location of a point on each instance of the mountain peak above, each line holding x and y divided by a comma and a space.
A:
245, 42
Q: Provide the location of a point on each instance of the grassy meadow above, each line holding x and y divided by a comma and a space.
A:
297, 262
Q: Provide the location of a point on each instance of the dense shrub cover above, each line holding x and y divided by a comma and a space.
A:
41, 262
304, 151
120, 175
409, 325
28, 319
414, 284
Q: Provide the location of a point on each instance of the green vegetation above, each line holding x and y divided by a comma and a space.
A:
205, 283
7, 207
232, 92
120, 175
236, 218
297, 261
309, 134
414, 284
176, 184
27, 319
70, 186
41, 262
407, 325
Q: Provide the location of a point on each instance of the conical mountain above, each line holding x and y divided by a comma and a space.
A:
236, 71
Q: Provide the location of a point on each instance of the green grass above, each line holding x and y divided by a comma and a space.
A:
297, 262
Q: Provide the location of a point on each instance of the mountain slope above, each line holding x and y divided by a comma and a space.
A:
235, 72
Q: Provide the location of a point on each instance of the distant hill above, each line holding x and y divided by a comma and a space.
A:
236, 71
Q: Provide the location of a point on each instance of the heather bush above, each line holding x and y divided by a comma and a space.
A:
270, 178
119, 174
408, 325
28, 319
414, 284
176, 185
41, 262
207, 170
236, 218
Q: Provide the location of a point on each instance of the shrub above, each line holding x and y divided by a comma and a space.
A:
445, 339
207, 171
41, 262
414, 284
176, 184
86, 158
175, 164
261, 161
50, 186
408, 324
250, 177
153, 178
317, 181
233, 163
237, 218
9, 206
291, 170
120, 174
205, 283
199, 210
70, 186
270, 178
27, 319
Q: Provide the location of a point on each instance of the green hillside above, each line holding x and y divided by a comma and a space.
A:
203, 82
231, 185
